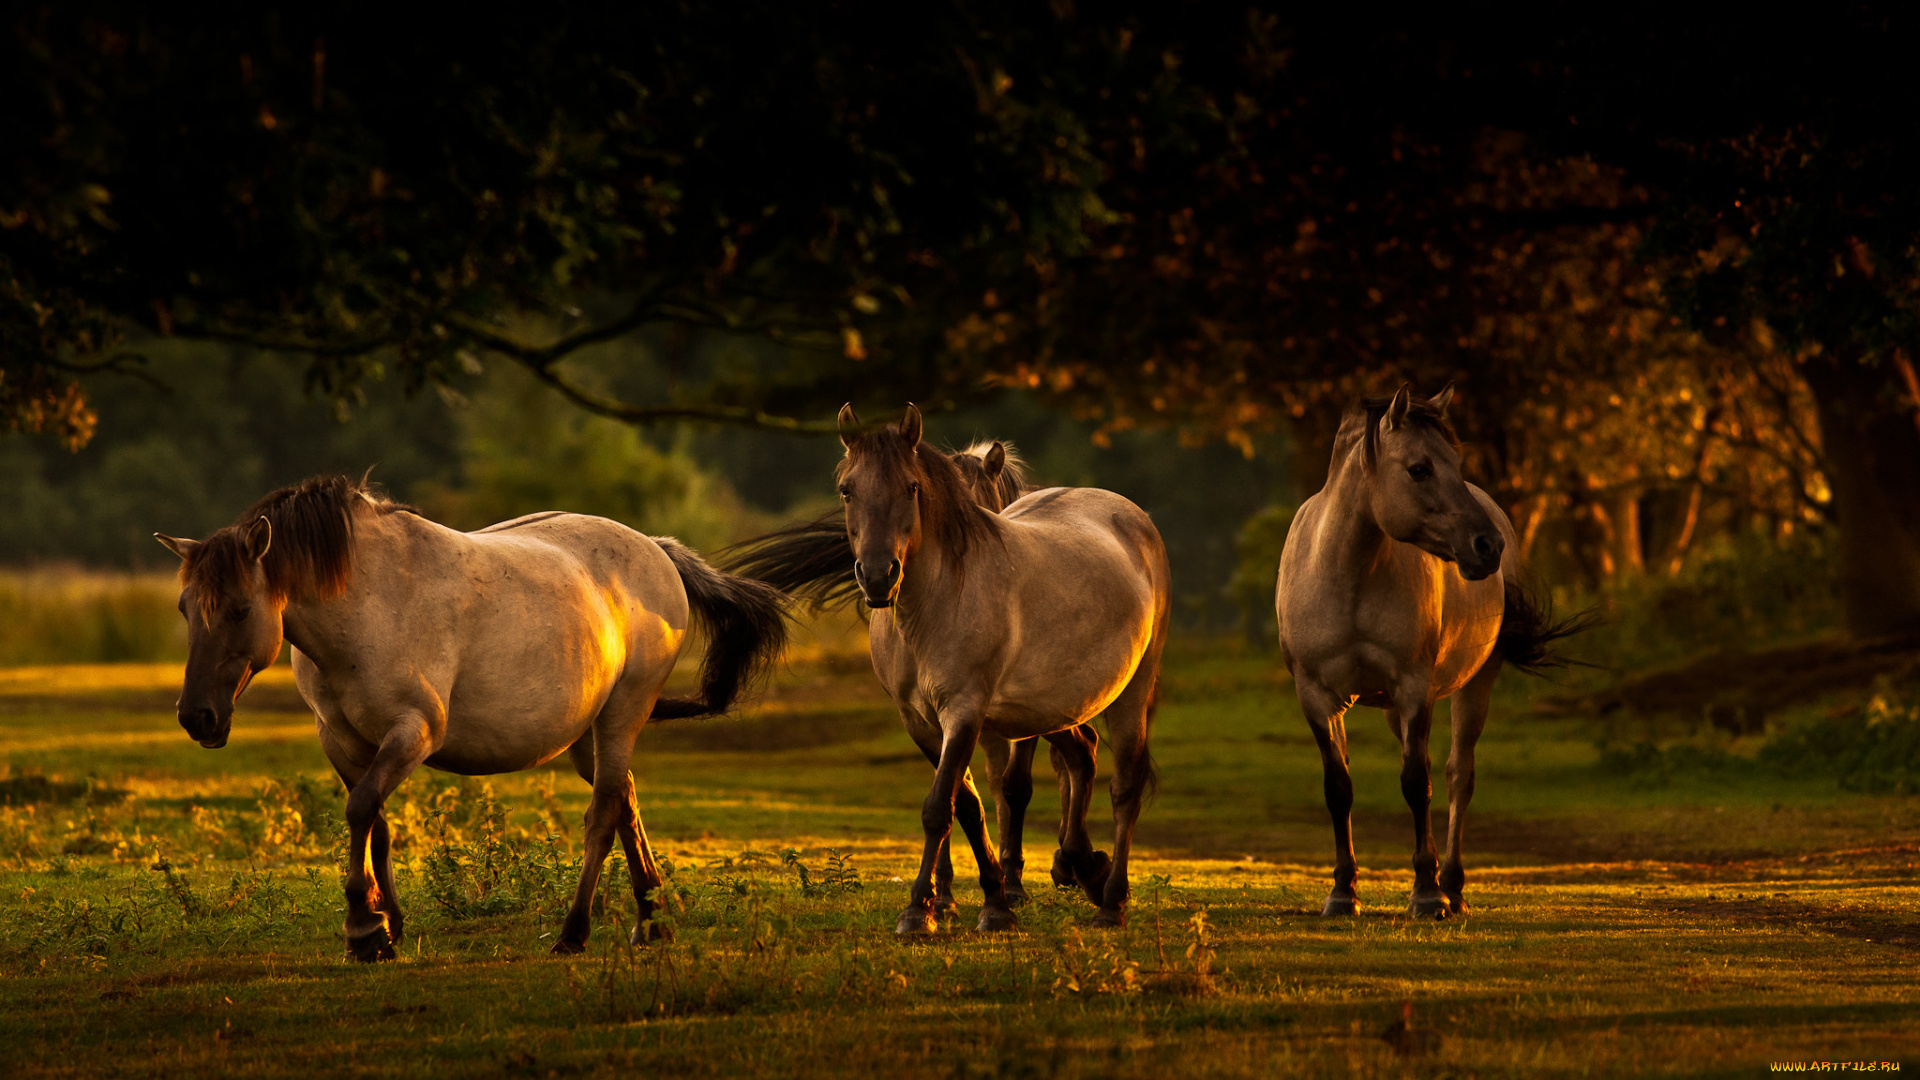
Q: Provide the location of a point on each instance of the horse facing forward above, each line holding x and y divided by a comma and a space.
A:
1398, 587
813, 562
476, 653
1026, 623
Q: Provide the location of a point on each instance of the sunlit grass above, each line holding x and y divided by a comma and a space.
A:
1706, 926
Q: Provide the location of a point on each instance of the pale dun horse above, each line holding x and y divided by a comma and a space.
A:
476, 653
1398, 587
1030, 622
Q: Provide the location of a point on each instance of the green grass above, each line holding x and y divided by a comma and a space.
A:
166, 909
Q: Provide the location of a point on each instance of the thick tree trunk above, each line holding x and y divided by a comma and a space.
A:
1872, 449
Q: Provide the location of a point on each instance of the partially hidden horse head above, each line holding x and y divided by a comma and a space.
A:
296, 543
1418, 494
898, 491
994, 473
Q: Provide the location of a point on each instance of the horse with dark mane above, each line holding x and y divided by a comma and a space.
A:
813, 561
475, 653
1399, 587
1025, 623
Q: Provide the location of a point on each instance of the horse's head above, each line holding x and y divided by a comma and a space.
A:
1419, 497
984, 469
233, 624
880, 482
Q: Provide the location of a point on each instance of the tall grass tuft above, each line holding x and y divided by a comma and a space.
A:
73, 616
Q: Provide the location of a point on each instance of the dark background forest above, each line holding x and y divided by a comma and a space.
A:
631, 260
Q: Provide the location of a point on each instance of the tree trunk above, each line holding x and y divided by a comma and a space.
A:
1872, 449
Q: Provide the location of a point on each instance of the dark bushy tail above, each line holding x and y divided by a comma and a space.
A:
811, 561
746, 624
1528, 631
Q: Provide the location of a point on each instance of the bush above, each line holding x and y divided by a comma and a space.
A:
1876, 748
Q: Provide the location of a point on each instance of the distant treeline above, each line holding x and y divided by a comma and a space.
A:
211, 428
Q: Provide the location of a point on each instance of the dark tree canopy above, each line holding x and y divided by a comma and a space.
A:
1214, 216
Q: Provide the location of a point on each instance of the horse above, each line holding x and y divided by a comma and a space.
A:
813, 561
1025, 623
1398, 587
475, 653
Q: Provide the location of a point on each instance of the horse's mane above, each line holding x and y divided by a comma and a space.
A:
310, 553
812, 560
1000, 492
948, 509
1362, 422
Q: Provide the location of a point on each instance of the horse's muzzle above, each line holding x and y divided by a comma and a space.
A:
1480, 556
878, 593
206, 727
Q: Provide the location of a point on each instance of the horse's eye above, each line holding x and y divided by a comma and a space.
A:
1420, 470
914, 487
242, 614
846, 493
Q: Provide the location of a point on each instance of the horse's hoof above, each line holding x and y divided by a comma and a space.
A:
1427, 907
943, 905
1016, 893
1062, 871
568, 947
996, 918
916, 921
1341, 905
1109, 916
1456, 903
650, 931
372, 945
1092, 872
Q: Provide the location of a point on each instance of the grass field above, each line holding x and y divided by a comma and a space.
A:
166, 909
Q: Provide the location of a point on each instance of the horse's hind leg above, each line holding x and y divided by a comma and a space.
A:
1416, 784
1010, 774
1469, 718
612, 810
642, 868
1074, 753
1326, 715
1129, 723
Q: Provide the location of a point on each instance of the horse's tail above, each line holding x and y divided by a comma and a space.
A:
811, 561
1528, 630
746, 624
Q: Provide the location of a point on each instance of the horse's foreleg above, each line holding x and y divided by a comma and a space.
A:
371, 932
1010, 773
1074, 763
1469, 718
1326, 715
927, 738
379, 837
1416, 785
936, 819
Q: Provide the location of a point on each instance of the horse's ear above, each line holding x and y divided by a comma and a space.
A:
1397, 411
911, 426
259, 538
849, 424
175, 544
1441, 400
996, 460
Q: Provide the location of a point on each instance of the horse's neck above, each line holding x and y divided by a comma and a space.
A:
1350, 539
931, 589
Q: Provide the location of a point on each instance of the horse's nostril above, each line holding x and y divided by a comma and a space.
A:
893, 569
1482, 546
